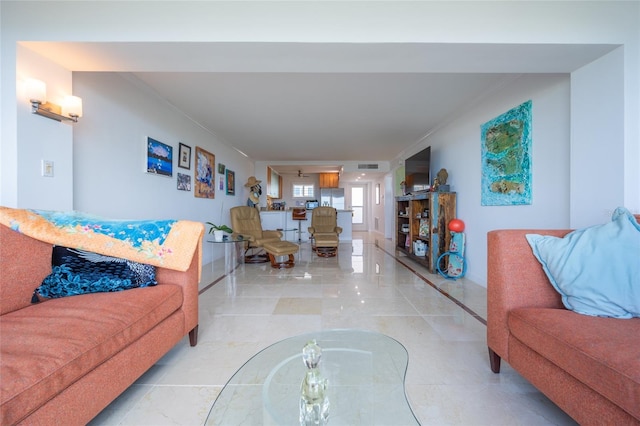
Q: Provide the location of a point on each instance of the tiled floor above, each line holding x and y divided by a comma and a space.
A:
448, 380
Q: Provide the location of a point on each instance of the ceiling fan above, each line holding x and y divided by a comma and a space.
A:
302, 175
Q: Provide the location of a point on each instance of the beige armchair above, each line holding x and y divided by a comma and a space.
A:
324, 231
246, 224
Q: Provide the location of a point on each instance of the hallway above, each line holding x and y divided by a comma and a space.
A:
440, 322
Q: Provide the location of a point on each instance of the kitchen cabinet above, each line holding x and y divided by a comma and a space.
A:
274, 184
329, 180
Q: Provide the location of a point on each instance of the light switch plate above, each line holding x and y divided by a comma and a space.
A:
47, 168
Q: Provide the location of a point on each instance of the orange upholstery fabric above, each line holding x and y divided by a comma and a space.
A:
589, 366
24, 263
580, 401
509, 256
599, 352
48, 346
68, 358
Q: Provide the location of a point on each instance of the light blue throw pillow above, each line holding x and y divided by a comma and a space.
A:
596, 269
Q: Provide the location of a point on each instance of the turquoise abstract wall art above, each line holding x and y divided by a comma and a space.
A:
506, 158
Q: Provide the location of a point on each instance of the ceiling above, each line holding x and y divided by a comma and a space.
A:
315, 106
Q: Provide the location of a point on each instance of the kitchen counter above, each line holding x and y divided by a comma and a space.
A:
281, 219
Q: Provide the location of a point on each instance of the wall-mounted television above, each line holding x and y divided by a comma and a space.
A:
417, 169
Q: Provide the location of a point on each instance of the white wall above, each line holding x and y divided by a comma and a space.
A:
389, 206
42, 138
457, 148
598, 149
378, 210
572, 22
110, 152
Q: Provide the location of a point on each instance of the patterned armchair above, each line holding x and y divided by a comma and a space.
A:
246, 224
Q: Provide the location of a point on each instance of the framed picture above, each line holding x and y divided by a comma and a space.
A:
184, 156
221, 183
231, 182
159, 158
205, 185
184, 182
221, 168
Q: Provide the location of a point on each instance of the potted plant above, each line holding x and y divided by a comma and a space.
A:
218, 230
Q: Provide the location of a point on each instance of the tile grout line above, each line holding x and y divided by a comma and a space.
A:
397, 259
444, 293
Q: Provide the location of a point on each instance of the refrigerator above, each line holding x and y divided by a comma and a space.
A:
333, 197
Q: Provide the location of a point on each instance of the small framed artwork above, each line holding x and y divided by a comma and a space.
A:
184, 155
205, 185
159, 158
221, 183
184, 182
221, 168
231, 182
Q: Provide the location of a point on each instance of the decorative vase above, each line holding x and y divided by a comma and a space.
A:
314, 403
217, 235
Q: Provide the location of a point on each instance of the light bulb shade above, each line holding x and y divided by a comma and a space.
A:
36, 90
72, 106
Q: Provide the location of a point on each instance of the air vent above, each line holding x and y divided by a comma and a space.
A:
367, 166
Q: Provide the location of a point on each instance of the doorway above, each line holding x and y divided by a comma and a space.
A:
358, 201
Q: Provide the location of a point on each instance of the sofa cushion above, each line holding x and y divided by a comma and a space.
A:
596, 269
48, 346
24, 262
603, 353
78, 272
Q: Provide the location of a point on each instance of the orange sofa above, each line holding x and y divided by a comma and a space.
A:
589, 366
64, 360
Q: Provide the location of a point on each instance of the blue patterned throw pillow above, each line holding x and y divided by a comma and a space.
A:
79, 272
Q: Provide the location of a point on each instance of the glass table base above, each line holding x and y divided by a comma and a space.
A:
232, 253
365, 372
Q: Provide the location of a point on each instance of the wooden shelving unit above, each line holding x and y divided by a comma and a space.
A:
423, 218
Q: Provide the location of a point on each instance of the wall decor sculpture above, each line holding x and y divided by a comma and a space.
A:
506, 158
159, 158
205, 186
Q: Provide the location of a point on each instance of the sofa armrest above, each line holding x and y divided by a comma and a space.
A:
189, 281
515, 279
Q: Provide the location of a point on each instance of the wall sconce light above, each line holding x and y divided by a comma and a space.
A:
70, 110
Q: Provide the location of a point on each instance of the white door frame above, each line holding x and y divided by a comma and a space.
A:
366, 208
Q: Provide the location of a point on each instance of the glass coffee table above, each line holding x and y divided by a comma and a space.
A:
365, 372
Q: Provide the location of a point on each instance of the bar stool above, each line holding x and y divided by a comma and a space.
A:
299, 214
